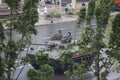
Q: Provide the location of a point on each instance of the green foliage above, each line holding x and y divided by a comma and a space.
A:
10, 49
114, 41
48, 15
41, 58
44, 73
25, 27
32, 16
103, 13
66, 57
2, 34
111, 19
13, 4
78, 71
57, 15
30, 4
2, 65
25, 60
81, 16
115, 36
118, 68
85, 40
71, 12
90, 11
47, 70
33, 74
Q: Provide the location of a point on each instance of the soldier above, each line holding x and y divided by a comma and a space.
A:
67, 39
58, 36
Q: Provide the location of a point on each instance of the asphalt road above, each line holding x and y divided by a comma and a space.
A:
47, 31
44, 34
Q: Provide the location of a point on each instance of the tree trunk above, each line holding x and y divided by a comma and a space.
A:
9, 74
98, 70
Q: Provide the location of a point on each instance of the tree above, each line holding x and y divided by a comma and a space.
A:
81, 17
77, 71
102, 14
66, 60
114, 37
10, 50
84, 43
95, 40
90, 11
45, 71
114, 42
41, 58
72, 69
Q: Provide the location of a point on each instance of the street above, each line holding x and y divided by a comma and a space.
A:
44, 34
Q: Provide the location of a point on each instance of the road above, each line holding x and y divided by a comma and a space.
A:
44, 34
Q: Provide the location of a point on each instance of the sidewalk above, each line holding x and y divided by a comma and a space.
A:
64, 18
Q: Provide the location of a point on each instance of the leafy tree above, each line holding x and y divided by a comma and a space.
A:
41, 58
115, 36
2, 37
90, 11
45, 71
95, 40
114, 41
33, 74
66, 60
81, 17
84, 43
72, 69
10, 50
102, 14
77, 72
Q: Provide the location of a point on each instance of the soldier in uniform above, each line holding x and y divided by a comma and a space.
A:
67, 39
58, 36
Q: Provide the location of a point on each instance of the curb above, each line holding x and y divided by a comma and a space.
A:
54, 23
47, 22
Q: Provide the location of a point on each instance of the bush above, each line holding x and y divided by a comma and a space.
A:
57, 15
71, 13
111, 19
48, 15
